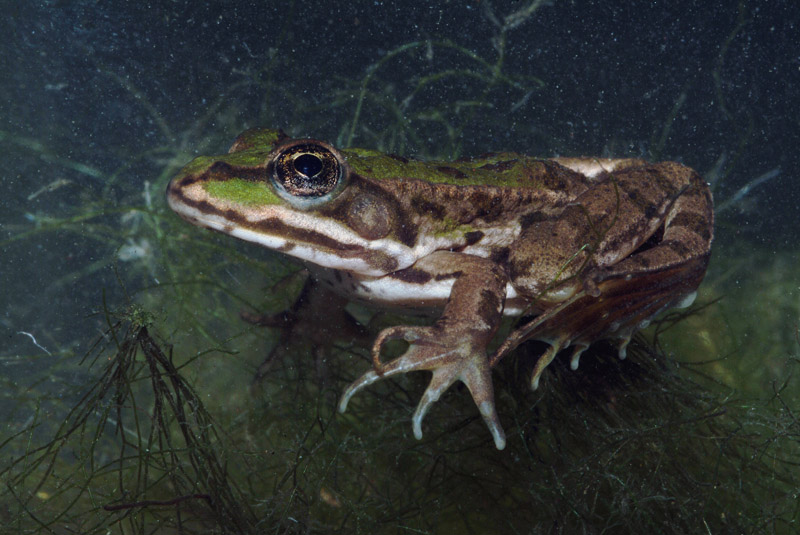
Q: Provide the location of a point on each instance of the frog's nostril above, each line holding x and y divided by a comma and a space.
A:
308, 164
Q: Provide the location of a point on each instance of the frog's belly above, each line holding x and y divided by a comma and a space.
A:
390, 292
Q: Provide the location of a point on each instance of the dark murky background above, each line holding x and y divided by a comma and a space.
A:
102, 102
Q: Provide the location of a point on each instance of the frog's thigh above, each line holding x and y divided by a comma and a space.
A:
688, 229
612, 219
628, 207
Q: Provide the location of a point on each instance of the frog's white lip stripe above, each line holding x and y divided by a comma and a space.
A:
309, 252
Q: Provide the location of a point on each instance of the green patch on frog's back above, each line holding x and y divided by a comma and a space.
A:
505, 169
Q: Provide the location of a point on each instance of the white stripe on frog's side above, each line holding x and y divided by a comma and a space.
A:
308, 252
365, 281
391, 292
316, 253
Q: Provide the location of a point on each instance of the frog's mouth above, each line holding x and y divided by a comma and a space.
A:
304, 235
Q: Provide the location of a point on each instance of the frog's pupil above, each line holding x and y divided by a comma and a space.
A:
308, 164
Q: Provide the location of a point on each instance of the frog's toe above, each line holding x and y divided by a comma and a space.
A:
441, 381
448, 366
363, 381
544, 360
477, 376
473, 372
416, 357
622, 347
411, 360
577, 351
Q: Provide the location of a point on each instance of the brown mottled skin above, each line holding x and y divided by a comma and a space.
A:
590, 248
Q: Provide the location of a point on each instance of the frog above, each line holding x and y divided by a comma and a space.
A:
573, 249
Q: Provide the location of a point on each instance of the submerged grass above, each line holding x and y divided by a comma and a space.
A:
623, 446
164, 435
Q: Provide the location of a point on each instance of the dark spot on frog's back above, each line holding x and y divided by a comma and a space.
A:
398, 158
499, 255
473, 237
490, 303
412, 275
532, 218
487, 205
489, 297
697, 223
642, 260
451, 171
499, 166
651, 211
680, 248
426, 207
448, 276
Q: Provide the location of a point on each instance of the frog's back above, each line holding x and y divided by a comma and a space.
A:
503, 170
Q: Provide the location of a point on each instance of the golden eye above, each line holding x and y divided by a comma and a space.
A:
307, 169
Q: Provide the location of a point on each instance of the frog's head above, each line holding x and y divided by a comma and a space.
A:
299, 197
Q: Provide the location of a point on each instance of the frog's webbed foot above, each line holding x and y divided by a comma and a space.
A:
451, 358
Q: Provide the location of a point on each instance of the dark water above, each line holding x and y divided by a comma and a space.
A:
103, 102
86, 79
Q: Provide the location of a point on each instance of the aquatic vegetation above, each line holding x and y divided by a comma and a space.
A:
144, 448
127, 371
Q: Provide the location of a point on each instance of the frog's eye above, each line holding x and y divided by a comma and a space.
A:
307, 172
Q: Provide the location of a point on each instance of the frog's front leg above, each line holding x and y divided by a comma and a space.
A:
454, 348
317, 316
